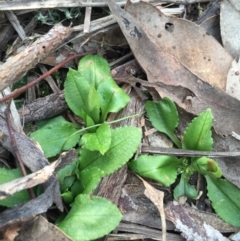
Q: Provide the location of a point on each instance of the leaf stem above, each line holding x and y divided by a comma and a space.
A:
97, 125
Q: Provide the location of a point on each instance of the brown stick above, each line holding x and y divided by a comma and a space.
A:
16, 66
31, 84
15, 148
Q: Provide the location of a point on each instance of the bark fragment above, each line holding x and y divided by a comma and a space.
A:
15, 67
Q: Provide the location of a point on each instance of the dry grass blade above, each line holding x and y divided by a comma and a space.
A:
156, 197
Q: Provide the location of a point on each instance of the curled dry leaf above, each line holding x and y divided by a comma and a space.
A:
230, 22
156, 197
36, 178
34, 159
39, 205
12, 217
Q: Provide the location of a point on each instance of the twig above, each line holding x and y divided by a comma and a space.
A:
15, 148
20, 5
31, 84
187, 153
18, 65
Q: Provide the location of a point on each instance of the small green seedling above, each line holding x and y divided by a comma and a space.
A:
91, 94
197, 136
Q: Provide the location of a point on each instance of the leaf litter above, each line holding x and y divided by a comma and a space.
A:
184, 62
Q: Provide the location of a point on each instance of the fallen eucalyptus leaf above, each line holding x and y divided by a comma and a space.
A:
200, 52
174, 80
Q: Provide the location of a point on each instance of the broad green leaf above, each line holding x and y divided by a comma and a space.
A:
17, 198
198, 135
52, 121
164, 117
205, 165
56, 138
184, 189
112, 97
225, 199
159, 168
94, 69
89, 179
125, 141
99, 140
90, 218
76, 90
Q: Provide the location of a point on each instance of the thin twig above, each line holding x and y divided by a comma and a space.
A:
187, 153
15, 148
31, 84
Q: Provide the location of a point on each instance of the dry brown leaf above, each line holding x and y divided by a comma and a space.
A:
175, 81
39, 229
191, 45
212, 26
41, 204
36, 178
156, 197
11, 233
230, 22
193, 228
28, 181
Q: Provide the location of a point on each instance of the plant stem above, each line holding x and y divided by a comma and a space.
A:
97, 125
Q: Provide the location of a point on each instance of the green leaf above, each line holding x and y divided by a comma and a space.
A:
164, 117
99, 140
67, 171
112, 97
56, 138
198, 135
205, 165
67, 197
95, 69
125, 141
76, 90
225, 199
184, 189
90, 218
159, 168
17, 198
50, 122
90, 179
94, 105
